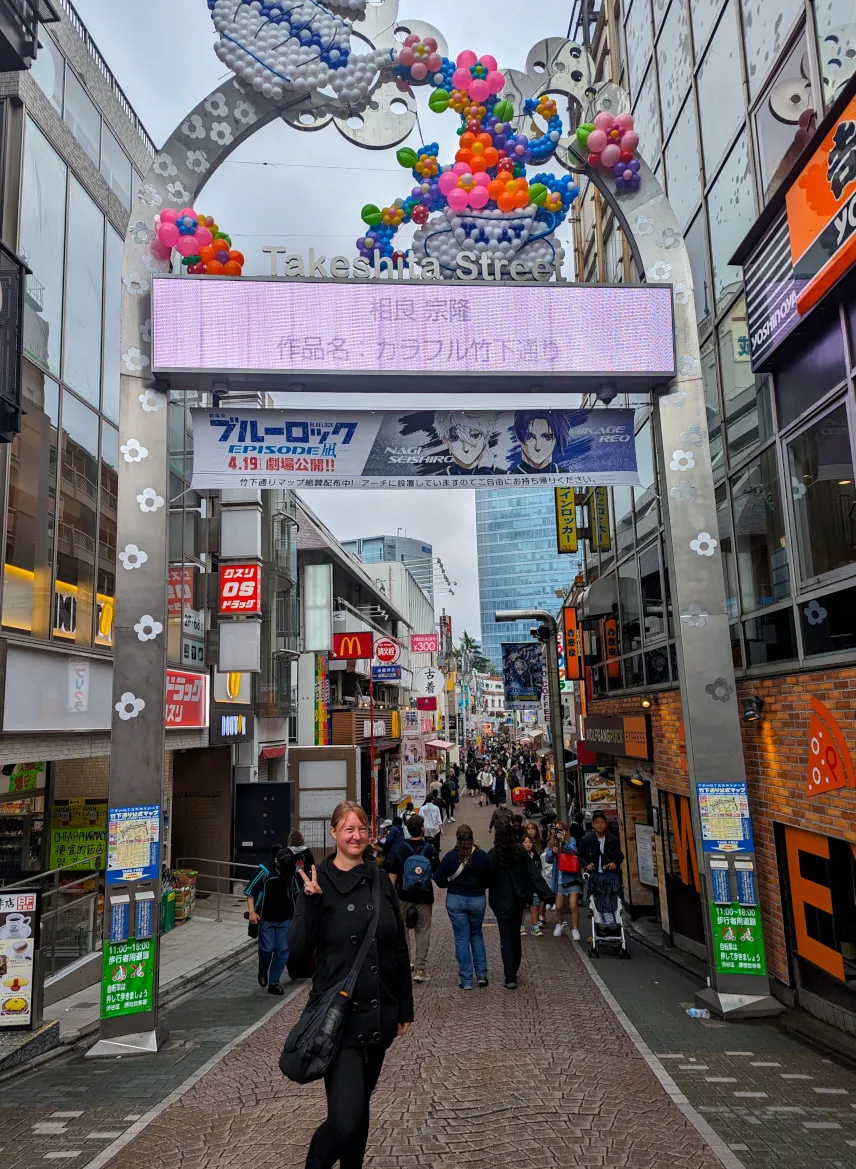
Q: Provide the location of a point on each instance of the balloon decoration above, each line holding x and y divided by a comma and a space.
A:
203, 247
483, 201
612, 143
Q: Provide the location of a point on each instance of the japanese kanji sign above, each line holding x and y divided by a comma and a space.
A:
133, 844
127, 979
186, 700
78, 834
428, 681
571, 642
240, 588
738, 939
430, 449
566, 519
179, 590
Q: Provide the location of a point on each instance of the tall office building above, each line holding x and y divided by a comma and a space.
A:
518, 563
415, 554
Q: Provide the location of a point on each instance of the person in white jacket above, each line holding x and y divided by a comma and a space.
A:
433, 817
486, 782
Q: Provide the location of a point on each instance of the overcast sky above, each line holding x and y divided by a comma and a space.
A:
302, 190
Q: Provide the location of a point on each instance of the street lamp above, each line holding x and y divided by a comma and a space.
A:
556, 729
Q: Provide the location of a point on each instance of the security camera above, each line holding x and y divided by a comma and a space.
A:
606, 394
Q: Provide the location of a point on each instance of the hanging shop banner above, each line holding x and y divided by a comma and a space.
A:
413, 760
78, 835
28, 777
352, 646
426, 703
409, 722
599, 537
383, 327
285, 449
424, 643
128, 978
240, 588
19, 935
725, 823
523, 675
133, 844
571, 642
566, 519
429, 681
186, 700
738, 939
322, 701
610, 645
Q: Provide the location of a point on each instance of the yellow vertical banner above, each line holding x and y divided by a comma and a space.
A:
566, 519
599, 519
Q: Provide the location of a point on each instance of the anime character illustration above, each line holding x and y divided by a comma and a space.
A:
468, 439
542, 435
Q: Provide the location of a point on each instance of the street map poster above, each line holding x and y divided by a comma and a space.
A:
725, 823
133, 844
435, 449
522, 675
127, 978
738, 939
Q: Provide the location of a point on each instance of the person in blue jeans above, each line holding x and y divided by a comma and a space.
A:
271, 896
465, 872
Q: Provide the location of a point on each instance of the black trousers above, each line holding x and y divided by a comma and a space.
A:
509, 941
350, 1082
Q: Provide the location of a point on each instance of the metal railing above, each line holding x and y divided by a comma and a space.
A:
70, 922
223, 873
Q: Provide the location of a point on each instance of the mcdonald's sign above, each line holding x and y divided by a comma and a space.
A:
350, 646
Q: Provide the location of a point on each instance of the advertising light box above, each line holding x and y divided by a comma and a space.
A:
313, 328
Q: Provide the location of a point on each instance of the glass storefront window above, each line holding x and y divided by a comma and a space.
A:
657, 666
653, 601
746, 395
112, 324
765, 29
106, 583
683, 165
48, 69
711, 405
31, 516
720, 91
648, 120
645, 496
759, 533
42, 244
116, 167
704, 13
834, 21
731, 208
820, 464
623, 502
631, 608
83, 117
702, 292
637, 31
829, 623
771, 638
726, 548
673, 64
811, 373
77, 532
785, 120
83, 295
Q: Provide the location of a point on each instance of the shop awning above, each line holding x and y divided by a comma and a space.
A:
273, 752
440, 744
542, 751
599, 599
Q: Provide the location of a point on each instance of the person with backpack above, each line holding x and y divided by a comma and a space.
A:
466, 871
271, 897
412, 870
567, 879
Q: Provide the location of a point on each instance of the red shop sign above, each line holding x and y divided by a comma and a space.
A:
179, 589
186, 700
240, 588
426, 703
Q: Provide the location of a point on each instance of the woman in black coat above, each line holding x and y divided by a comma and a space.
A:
332, 915
512, 884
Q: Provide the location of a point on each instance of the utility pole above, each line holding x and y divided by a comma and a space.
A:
556, 731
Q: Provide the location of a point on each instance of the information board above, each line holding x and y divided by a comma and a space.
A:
128, 977
738, 939
725, 823
133, 849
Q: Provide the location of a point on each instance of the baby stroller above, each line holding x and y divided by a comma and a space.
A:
607, 913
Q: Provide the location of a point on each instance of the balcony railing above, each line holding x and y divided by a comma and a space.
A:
19, 31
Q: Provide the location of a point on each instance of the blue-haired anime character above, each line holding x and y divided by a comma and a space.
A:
544, 437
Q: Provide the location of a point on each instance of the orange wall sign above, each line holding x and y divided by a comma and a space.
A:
610, 638
572, 645
829, 763
821, 207
682, 830
809, 893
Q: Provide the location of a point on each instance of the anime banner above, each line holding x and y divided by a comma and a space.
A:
278, 449
522, 675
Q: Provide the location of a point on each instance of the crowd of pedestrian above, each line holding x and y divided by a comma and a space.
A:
378, 894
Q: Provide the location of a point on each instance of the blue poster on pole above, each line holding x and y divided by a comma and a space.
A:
386, 673
725, 823
133, 844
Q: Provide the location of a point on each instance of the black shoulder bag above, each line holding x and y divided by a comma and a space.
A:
313, 1042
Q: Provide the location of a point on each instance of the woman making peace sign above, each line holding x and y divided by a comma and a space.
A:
330, 922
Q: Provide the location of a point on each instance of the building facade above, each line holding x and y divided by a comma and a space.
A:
730, 100
518, 565
417, 555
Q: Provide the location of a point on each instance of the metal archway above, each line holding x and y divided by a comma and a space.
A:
205, 138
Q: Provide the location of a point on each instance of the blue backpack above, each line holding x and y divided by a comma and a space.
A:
417, 872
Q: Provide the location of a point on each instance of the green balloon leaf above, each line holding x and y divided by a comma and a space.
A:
538, 193
371, 215
583, 132
407, 157
504, 110
438, 102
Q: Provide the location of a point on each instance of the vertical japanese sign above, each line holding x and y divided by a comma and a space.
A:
598, 501
738, 939
240, 588
322, 701
566, 519
19, 923
610, 641
179, 590
571, 632
133, 844
128, 978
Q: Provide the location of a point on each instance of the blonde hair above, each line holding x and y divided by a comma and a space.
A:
343, 810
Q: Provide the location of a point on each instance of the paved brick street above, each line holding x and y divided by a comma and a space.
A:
545, 1076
